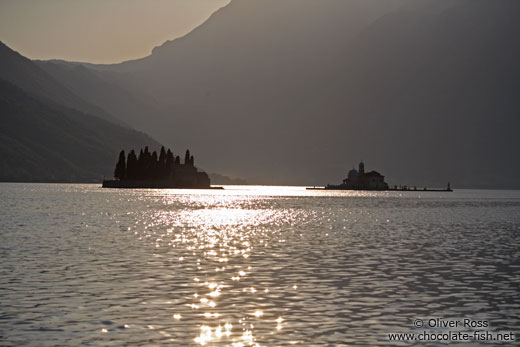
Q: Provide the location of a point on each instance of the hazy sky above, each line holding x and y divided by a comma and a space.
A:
100, 31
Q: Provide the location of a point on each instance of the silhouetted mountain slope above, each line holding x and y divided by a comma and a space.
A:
26, 74
446, 83
46, 142
104, 91
296, 91
249, 63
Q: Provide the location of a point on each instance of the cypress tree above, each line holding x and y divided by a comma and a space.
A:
169, 157
147, 164
140, 165
120, 171
132, 170
170, 161
177, 160
154, 166
162, 163
162, 156
187, 157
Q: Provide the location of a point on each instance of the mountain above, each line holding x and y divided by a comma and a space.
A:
26, 74
225, 82
298, 91
225, 180
43, 141
104, 92
445, 84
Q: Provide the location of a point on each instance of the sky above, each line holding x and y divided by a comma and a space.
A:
98, 31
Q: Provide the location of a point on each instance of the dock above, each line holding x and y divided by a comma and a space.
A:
389, 189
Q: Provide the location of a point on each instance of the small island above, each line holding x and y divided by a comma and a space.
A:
373, 180
361, 180
149, 170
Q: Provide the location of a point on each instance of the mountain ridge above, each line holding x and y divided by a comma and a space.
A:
351, 95
42, 141
296, 92
23, 72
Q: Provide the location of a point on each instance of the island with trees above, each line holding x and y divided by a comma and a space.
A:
152, 170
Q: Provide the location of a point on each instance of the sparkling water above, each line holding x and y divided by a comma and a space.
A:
82, 265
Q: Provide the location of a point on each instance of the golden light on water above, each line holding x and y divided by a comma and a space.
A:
211, 315
159, 284
216, 242
205, 336
214, 293
218, 332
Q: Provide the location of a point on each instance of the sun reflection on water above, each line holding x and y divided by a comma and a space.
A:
250, 266
215, 237
219, 239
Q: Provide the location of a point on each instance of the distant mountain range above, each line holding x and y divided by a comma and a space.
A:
51, 134
298, 91
41, 141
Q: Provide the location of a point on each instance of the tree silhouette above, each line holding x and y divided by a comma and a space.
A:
140, 165
153, 171
162, 156
170, 162
132, 170
120, 171
151, 166
187, 157
161, 170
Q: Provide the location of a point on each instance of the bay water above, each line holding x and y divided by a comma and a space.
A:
253, 265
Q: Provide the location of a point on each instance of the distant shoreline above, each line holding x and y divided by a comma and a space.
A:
251, 184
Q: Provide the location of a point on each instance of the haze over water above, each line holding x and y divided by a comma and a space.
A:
251, 265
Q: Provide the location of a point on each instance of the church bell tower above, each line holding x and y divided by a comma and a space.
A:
361, 168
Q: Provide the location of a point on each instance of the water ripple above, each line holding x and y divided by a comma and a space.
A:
250, 266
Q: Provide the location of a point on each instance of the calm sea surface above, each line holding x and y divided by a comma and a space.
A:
81, 265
